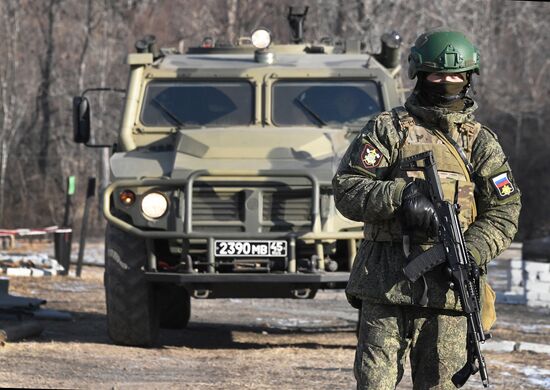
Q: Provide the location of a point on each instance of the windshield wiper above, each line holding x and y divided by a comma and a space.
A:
168, 112
310, 112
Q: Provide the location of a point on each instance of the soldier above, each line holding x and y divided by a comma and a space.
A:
423, 319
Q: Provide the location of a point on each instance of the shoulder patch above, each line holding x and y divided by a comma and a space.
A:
370, 156
503, 185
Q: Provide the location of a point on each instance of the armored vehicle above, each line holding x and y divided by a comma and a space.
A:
221, 175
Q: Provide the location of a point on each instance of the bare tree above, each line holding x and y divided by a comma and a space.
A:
47, 25
83, 44
13, 104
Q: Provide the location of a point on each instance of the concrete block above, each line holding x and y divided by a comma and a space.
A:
534, 296
510, 346
37, 273
43, 272
55, 267
499, 346
534, 347
538, 276
517, 276
536, 286
538, 303
510, 298
516, 263
543, 276
517, 290
514, 251
18, 272
533, 267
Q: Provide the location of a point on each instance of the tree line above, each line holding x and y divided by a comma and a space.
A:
54, 49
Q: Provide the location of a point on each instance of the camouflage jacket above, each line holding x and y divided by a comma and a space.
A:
368, 187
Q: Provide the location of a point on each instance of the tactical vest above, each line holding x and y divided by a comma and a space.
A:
455, 177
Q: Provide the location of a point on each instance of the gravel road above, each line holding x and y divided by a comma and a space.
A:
229, 344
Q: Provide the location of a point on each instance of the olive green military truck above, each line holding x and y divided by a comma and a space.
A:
221, 175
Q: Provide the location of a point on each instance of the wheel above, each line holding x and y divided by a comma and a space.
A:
174, 306
358, 325
132, 316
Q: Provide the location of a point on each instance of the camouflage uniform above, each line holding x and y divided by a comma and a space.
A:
368, 187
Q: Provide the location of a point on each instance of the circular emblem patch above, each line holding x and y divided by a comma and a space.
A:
370, 156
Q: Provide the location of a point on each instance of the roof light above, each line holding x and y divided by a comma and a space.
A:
261, 38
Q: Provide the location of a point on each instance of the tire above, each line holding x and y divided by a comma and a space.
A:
174, 306
358, 325
132, 316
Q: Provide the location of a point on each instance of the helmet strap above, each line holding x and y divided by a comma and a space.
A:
471, 83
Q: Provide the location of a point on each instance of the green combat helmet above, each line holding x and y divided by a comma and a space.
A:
443, 52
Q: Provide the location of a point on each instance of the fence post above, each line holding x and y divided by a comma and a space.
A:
90, 193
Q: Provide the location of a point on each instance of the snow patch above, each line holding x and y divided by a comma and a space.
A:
289, 322
537, 376
296, 322
527, 328
73, 287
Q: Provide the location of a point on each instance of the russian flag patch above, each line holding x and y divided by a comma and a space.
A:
503, 186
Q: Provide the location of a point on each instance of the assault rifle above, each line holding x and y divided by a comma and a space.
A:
464, 273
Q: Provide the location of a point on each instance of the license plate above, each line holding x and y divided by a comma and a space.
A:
245, 248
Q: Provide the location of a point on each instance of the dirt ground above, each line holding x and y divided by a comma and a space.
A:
229, 344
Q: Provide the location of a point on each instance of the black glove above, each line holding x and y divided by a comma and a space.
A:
417, 212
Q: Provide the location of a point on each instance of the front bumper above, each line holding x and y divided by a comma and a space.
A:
319, 279
314, 234
251, 285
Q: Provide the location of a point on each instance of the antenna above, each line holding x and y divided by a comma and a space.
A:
296, 22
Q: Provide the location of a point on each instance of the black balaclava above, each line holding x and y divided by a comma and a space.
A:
443, 94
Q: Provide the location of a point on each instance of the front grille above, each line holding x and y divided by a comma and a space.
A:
225, 209
219, 205
286, 209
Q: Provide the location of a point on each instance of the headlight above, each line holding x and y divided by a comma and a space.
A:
154, 205
261, 38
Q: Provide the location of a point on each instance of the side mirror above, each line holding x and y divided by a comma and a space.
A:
81, 120
81, 117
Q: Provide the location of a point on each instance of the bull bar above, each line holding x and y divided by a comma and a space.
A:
314, 234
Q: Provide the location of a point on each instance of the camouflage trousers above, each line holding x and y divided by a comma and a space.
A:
434, 340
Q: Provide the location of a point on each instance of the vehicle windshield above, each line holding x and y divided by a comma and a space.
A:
227, 103
325, 103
